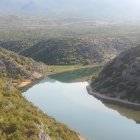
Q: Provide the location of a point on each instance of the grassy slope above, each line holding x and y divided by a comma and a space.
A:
19, 119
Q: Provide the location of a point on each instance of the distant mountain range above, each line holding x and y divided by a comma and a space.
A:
95, 9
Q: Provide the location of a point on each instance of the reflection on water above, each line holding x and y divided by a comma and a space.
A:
71, 104
77, 74
130, 114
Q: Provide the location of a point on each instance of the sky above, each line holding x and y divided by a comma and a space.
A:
97, 9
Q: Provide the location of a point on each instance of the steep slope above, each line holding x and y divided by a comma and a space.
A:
19, 119
18, 67
15, 46
121, 77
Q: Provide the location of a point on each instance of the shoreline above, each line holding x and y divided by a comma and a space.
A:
27, 83
24, 83
114, 101
37, 76
81, 138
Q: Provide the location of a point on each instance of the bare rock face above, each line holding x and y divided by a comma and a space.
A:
42, 134
121, 77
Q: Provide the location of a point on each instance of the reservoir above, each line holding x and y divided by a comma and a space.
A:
70, 103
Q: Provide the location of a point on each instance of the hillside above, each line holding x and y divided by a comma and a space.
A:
121, 77
67, 40
69, 50
18, 67
19, 119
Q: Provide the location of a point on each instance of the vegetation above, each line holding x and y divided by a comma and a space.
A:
120, 78
69, 51
19, 119
66, 43
76, 74
55, 42
18, 68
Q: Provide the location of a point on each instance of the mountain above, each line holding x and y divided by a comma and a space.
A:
69, 50
120, 78
95, 9
69, 41
19, 119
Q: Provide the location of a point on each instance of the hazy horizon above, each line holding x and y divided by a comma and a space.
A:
92, 9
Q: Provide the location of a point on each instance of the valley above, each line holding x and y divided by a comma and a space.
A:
85, 43
19, 118
51, 62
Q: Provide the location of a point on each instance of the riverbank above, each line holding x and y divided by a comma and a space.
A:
28, 83
81, 138
114, 101
24, 83
73, 73
54, 70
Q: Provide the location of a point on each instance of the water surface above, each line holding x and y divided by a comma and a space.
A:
70, 103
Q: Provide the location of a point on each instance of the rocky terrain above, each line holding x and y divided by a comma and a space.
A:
120, 78
14, 66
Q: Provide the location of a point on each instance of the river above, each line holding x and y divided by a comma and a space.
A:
70, 103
